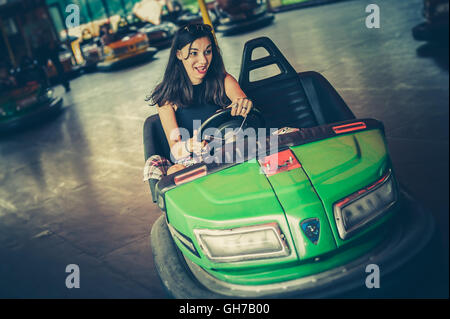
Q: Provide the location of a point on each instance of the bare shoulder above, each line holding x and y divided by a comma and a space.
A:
167, 108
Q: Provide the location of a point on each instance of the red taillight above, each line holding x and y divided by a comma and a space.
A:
190, 176
349, 127
279, 162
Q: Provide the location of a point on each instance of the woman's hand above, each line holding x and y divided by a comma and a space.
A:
184, 149
241, 106
194, 145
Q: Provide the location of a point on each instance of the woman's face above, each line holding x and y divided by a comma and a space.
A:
196, 59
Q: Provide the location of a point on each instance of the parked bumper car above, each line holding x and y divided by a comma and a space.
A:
240, 16
26, 106
179, 15
436, 25
160, 36
125, 47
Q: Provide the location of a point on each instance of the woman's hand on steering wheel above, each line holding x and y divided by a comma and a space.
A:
194, 145
241, 106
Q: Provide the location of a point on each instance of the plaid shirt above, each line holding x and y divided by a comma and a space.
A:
156, 166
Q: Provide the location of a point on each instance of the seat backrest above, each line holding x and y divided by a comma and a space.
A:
155, 141
282, 98
332, 107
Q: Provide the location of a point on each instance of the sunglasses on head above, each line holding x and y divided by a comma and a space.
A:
198, 27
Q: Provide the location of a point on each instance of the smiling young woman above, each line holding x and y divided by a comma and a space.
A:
195, 86
196, 58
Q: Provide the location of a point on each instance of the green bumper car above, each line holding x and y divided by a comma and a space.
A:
304, 218
26, 106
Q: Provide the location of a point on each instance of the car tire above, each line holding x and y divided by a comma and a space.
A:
171, 266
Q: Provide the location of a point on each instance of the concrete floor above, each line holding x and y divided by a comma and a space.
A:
72, 192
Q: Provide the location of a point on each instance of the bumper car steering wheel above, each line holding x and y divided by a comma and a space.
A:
224, 126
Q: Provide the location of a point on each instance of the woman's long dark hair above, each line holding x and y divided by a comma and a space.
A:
176, 87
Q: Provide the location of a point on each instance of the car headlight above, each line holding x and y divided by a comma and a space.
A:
49, 93
244, 243
363, 206
259, 10
107, 51
45, 96
142, 44
87, 48
65, 56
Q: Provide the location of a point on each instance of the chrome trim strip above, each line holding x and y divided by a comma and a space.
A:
181, 238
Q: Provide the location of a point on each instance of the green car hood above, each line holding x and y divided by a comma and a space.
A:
242, 195
234, 197
331, 170
340, 166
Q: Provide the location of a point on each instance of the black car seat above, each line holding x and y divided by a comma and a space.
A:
289, 98
155, 143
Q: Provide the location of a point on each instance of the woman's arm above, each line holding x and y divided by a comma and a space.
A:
178, 148
241, 105
171, 130
232, 88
